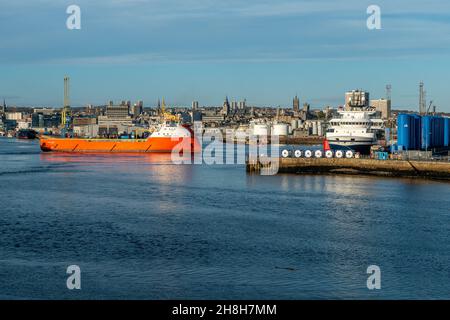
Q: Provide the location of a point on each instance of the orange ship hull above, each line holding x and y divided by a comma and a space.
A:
151, 144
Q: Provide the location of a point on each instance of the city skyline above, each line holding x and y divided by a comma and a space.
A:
204, 50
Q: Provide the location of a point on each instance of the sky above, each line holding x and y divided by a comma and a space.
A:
263, 51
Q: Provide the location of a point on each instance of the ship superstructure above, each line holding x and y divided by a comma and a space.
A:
357, 127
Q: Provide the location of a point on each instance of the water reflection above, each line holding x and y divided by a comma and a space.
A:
153, 158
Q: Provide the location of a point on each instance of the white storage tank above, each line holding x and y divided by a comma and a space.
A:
261, 130
280, 129
314, 128
319, 128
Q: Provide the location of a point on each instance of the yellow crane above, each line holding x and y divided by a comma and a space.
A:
167, 116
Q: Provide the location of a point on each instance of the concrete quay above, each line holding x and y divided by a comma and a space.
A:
394, 168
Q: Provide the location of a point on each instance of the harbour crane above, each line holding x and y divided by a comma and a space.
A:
429, 107
66, 118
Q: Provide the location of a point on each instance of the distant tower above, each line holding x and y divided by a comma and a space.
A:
235, 106
194, 105
137, 108
388, 92
306, 107
163, 106
226, 106
66, 91
242, 104
296, 104
66, 107
422, 101
4, 106
140, 106
305, 112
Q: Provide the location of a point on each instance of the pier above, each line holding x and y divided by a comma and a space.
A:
392, 168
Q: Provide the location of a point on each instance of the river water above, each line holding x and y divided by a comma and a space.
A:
140, 227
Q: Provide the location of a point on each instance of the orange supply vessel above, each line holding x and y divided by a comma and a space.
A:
165, 139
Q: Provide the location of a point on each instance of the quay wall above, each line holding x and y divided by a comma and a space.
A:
396, 168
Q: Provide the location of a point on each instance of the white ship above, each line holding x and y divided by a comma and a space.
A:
356, 128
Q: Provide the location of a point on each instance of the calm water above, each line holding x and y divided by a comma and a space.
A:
142, 228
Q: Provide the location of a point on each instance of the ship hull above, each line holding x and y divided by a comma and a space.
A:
152, 144
361, 148
26, 135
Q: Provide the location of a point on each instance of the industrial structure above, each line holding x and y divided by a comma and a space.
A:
65, 115
422, 99
416, 132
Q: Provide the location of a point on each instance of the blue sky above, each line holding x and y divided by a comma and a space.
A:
264, 51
